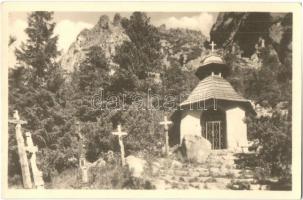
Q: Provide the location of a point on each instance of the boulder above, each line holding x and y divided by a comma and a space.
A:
155, 166
136, 165
176, 164
196, 148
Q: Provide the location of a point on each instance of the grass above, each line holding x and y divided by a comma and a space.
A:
68, 179
111, 176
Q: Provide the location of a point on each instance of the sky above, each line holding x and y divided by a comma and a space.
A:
69, 24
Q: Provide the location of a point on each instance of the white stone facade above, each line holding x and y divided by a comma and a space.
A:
190, 123
236, 128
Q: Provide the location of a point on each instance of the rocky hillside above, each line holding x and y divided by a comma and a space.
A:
106, 34
178, 45
182, 45
250, 30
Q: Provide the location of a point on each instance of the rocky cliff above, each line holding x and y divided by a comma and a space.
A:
106, 34
183, 46
178, 45
248, 30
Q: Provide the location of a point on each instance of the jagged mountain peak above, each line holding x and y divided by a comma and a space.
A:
106, 34
178, 45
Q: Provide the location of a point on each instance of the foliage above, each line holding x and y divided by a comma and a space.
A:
116, 177
35, 86
52, 104
273, 142
268, 86
93, 72
178, 83
141, 55
40, 50
144, 136
68, 179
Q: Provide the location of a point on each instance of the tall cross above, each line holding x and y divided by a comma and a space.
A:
26, 177
16, 119
165, 123
37, 174
82, 159
212, 46
120, 133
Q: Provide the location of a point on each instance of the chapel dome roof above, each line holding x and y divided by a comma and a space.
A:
212, 63
212, 59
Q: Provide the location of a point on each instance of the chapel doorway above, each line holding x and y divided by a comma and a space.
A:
213, 128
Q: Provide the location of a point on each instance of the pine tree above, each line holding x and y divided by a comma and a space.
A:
141, 55
39, 53
35, 90
94, 70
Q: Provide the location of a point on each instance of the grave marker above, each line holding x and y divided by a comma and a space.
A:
37, 174
82, 160
27, 183
119, 133
165, 123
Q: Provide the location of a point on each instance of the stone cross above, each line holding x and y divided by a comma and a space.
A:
212, 46
82, 160
165, 123
119, 133
37, 174
27, 183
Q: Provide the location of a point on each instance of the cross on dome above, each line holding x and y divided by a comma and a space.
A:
212, 46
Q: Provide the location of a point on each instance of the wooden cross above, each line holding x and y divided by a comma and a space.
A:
165, 123
212, 46
119, 133
37, 174
16, 119
27, 183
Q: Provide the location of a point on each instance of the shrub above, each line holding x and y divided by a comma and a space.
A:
273, 138
113, 176
68, 179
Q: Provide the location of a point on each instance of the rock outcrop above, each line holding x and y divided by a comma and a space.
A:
106, 34
181, 45
246, 30
177, 45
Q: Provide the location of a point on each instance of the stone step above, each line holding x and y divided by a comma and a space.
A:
244, 180
258, 187
214, 186
202, 172
186, 174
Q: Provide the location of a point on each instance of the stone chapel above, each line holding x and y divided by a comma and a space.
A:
213, 110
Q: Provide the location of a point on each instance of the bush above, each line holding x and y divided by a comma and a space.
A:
113, 176
273, 138
68, 179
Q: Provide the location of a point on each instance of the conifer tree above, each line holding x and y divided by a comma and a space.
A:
35, 85
39, 53
141, 55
